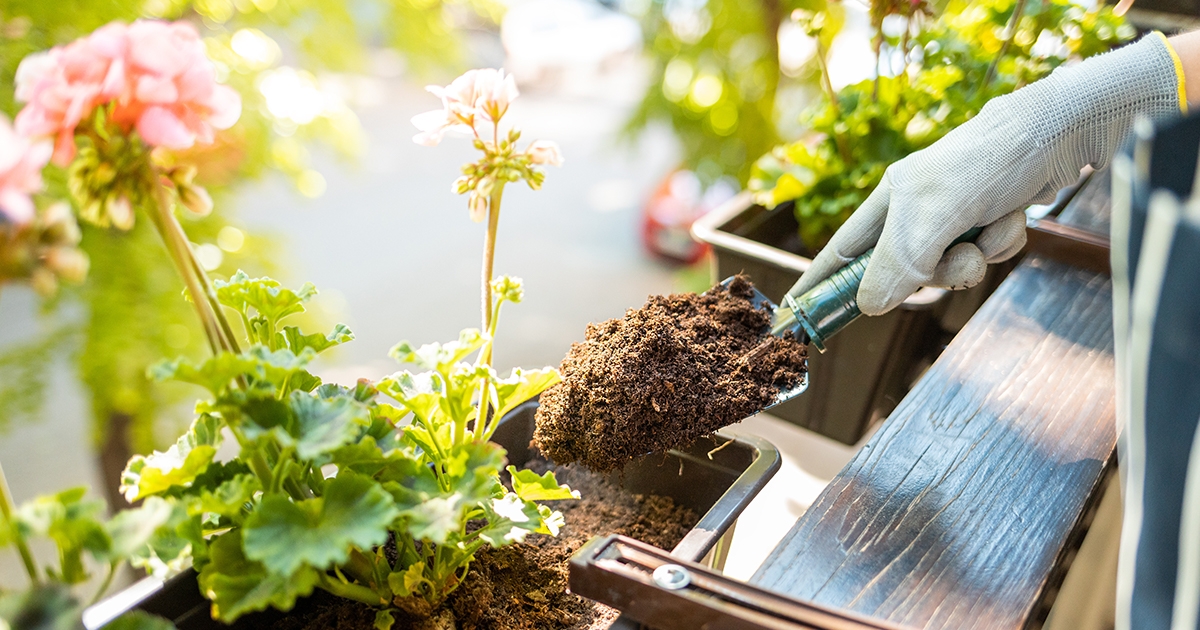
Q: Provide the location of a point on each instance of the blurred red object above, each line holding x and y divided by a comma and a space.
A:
670, 211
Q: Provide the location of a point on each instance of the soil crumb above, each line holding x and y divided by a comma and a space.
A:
524, 586
664, 375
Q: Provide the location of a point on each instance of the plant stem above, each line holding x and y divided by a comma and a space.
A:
351, 591
489, 256
7, 507
1013, 23
189, 269
827, 85
112, 571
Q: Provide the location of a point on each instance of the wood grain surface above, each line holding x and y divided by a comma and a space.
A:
958, 511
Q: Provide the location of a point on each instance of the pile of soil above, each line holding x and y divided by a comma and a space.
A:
664, 375
524, 586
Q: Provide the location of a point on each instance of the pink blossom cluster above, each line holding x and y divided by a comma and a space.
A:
474, 102
21, 164
155, 75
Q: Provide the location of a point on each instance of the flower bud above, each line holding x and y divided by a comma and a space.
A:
43, 281
195, 199
68, 263
478, 207
59, 226
484, 186
120, 212
461, 185
545, 152
509, 288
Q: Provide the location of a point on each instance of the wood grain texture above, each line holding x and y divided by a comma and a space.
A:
959, 508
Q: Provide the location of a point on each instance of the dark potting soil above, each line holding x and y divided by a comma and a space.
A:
524, 586
664, 375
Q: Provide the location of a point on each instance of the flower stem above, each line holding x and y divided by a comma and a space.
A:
112, 572
7, 507
1013, 23
489, 256
185, 263
827, 85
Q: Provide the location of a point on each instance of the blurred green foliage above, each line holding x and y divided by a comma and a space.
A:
135, 312
953, 64
715, 78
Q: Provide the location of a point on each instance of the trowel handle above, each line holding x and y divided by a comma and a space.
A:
831, 305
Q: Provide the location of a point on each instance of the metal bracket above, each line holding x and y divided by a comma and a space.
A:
650, 586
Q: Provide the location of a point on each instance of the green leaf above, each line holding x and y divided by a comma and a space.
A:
322, 425
472, 468
230, 497
433, 518
384, 619
522, 385
408, 582
139, 620
298, 341
73, 523
173, 547
533, 487
439, 357
355, 511
419, 393
266, 296
132, 529
237, 585
177, 466
41, 607
509, 520
214, 374
279, 366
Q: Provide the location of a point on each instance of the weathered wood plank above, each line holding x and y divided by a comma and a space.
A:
956, 512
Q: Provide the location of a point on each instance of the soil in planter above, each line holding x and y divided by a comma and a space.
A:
664, 375
524, 586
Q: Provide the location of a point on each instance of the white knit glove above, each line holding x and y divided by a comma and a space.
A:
1020, 149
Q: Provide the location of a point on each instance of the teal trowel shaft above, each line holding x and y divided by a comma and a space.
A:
830, 306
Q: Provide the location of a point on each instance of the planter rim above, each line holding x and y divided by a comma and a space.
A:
707, 229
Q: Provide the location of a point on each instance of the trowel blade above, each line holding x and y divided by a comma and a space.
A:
762, 301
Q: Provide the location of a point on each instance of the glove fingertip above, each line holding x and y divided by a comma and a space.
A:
962, 267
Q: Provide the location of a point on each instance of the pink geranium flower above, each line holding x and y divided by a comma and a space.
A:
155, 75
21, 164
474, 102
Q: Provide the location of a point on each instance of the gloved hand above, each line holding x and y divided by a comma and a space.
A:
1020, 149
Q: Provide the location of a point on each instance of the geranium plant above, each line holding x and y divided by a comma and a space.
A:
937, 72
327, 476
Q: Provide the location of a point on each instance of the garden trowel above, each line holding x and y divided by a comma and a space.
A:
822, 312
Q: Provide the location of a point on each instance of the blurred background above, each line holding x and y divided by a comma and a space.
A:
664, 110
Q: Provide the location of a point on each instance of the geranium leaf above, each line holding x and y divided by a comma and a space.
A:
237, 585
266, 296
214, 373
139, 620
437, 356
131, 530
73, 523
509, 520
531, 486
521, 385
324, 425
284, 535
177, 466
298, 341
384, 619
49, 606
419, 393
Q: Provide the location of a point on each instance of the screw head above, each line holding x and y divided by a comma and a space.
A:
672, 577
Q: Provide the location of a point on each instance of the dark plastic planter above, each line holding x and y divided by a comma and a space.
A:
719, 488
867, 368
